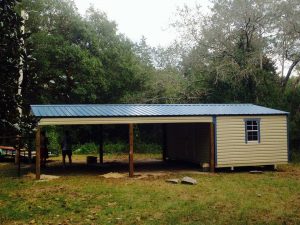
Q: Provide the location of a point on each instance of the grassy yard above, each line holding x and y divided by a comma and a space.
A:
220, 198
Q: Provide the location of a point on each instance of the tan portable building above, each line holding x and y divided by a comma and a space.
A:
221, 135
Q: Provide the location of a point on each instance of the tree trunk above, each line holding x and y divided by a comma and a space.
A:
287, 77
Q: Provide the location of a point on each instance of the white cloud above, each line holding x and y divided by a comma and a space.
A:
137, 18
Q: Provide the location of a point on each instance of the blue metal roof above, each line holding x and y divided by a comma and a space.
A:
141, 110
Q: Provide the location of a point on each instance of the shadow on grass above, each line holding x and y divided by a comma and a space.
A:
80, 168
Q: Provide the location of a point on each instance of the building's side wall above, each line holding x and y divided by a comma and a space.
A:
188, 142
233, 151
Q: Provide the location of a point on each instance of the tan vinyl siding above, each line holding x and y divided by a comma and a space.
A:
233, 151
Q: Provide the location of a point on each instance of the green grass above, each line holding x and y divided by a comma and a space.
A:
221, 198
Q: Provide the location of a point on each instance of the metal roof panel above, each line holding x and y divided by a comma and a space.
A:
131, 110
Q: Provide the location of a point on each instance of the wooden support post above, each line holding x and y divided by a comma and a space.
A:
30, 146
101, 145
29, 153
38, 153
131, 169
164, 130
212, 148
18, 154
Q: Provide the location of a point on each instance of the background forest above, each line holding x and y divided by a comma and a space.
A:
241, 52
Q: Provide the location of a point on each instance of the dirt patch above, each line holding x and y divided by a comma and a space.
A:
49, 177
43, 177
114, 175
289, 171
137, 176
5, 164
150, 175
29, 175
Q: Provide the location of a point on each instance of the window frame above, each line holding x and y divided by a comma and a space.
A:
257, 120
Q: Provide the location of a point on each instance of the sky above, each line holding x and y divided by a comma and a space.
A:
148, 18
137, 18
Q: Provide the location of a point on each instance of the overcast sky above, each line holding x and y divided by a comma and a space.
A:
137, 18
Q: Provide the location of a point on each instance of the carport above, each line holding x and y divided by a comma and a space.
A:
189, 131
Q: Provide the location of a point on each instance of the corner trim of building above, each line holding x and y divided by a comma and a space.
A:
288, 139
215, 139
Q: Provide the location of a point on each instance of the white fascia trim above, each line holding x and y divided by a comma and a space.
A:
123, 120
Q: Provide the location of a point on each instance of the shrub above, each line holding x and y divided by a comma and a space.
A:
148, 148
54, 145
87, 148
116, 147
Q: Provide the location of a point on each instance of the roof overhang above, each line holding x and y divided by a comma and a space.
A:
88, 114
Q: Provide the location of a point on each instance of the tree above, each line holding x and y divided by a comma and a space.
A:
228, 61
261, 28
79, 59
286, 41
144, 52
12, 61
291, 103
163, 80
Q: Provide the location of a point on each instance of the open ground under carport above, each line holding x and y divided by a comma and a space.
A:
185, 138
